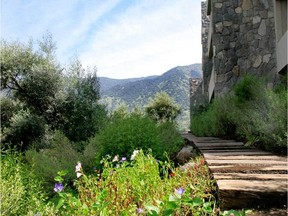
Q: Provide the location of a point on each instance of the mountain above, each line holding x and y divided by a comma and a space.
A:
138, 91
107, 83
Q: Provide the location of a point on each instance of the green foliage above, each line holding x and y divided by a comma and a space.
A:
162, 108
137, 188
252, 112
31, 76
21, 191
8, 108
47, 162
64, 102
249, 88
123, 134
24, 128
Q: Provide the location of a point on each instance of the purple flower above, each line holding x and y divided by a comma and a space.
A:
180, 191
139, 210
123, 159
58, 187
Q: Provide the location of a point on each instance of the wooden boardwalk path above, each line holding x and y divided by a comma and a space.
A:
246, 178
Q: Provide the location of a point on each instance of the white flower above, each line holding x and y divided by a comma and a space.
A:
116, 158
78, 167
135, 153
78, 174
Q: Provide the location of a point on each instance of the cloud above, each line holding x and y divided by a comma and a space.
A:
122, 38
146, 39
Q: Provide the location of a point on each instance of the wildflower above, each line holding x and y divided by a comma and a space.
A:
123, 159
58, 187
139, 210
180, 191
172, 174
78, 174
116, 158
135, 153
78, 167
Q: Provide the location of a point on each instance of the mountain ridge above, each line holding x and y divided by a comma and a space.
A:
136, 92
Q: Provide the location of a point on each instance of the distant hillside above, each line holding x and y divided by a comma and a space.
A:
107, 83
137, 92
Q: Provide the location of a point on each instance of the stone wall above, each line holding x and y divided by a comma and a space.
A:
196, 94
243, 40
206, 61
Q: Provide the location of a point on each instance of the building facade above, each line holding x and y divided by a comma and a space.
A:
241, 37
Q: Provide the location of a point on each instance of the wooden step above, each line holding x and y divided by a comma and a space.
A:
246, 177
251, 193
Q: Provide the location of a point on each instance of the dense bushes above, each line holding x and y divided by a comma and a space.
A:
133, 131
252, 112
21, 191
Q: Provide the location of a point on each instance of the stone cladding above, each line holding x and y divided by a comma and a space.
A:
243, 41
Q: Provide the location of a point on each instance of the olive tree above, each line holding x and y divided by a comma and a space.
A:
162, 108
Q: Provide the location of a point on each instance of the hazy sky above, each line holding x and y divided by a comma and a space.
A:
123, 38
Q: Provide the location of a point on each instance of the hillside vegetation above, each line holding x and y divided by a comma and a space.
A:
137, 93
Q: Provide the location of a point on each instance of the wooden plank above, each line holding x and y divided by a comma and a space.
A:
232, 153
243, 168
250, 176
220, 144
239, 162
245, 194
246, 157
253, 185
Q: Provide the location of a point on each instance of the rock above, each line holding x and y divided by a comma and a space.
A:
238, 10
257, 61
219, 27
227, 23
218, 5
262, 28
247, 5
256, 19
186, 153
266, 58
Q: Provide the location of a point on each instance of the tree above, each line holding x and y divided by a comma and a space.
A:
32, 77
162, 108
48, 97
82, 111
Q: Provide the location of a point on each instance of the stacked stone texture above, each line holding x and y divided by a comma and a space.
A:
196, 94
206, 61
244, 41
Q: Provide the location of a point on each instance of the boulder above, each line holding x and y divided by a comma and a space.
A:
186, 153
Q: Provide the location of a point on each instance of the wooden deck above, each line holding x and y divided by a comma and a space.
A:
246, 178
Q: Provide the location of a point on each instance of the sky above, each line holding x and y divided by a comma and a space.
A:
122, 38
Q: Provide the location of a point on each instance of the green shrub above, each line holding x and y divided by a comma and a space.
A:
124, 134
21, 191
249, 89
24, 129
252, 112
47, 162
217, 120
266, 122
162, 108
